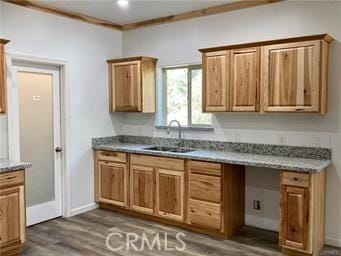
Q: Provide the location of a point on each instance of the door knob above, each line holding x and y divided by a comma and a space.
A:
58, 149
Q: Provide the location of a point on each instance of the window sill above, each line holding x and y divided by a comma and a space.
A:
187, 128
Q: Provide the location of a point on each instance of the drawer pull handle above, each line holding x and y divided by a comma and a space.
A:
296, 179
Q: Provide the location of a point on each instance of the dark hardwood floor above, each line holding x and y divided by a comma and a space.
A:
86, 234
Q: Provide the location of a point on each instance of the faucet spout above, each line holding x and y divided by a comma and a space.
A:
170, 125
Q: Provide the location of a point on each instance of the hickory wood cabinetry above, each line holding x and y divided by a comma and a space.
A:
201, 196
132, 84
302, 212
111, 178
286, 75
2, 76
12, 212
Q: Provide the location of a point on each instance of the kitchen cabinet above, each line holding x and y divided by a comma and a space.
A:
215, 93
142, 184
12, 212
244, 79
170, 194
111, 178
2, 76
291, 77
285, 75
302, 212
132, 84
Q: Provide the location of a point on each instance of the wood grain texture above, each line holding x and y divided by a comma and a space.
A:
111, 156
132, 84
170, 189
12, 213
126, 83
295, 179
113, 183
68, 14
215, 83
142, 189
197, 13
291, 77
324, 37
157, 162
245, 79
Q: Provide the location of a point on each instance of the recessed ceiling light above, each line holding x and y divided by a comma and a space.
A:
123, 3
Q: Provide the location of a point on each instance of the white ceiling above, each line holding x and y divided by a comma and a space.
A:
138, 10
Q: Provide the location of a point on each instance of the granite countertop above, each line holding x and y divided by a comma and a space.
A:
10, 166
248, 159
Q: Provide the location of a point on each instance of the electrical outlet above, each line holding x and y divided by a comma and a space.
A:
316, 141
282, 139
256, 205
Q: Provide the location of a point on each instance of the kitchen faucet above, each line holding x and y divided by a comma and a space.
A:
169, 127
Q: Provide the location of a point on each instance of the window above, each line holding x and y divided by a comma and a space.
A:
182, 94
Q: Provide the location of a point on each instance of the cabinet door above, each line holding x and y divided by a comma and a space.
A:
113, 183
291, 77
126, 87
244, 79
12, 223
2, 80
216, 81
170, 194
142, 189
294, 217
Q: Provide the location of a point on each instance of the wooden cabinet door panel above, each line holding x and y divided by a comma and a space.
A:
142, 189
204, 214
216, 81
291, 77
204, 187
10, 221
294, 217
244, 79
126, 79
170, 194
113, 179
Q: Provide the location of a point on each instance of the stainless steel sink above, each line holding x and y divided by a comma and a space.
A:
169, 149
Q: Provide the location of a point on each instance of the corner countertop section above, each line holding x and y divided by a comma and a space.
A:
11, 166
248, 159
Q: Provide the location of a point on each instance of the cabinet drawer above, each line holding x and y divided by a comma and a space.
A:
204, 187
112, 156
204, 214
205, 168
12, 178
158, 162
295, 179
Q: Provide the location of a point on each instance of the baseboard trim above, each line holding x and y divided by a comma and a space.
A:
333, 241
83, 209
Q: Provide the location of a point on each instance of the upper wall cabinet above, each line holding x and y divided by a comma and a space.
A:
2, 76
286, 75
244, 79
132, 84
216, 92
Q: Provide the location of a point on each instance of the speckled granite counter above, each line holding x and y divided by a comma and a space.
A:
309, 160
10, 166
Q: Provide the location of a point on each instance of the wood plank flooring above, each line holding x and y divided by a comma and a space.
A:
85, 234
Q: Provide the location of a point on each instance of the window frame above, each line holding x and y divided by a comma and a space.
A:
190, 68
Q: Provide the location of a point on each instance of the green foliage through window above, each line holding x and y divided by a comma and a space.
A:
183, 96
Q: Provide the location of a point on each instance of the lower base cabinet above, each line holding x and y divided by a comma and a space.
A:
12, 212
202, 196
302, 210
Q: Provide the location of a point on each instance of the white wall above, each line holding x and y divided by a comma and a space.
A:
85, 47
177, 43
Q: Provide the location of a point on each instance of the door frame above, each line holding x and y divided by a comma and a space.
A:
13, 116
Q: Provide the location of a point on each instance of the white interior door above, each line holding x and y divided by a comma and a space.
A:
39, 139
